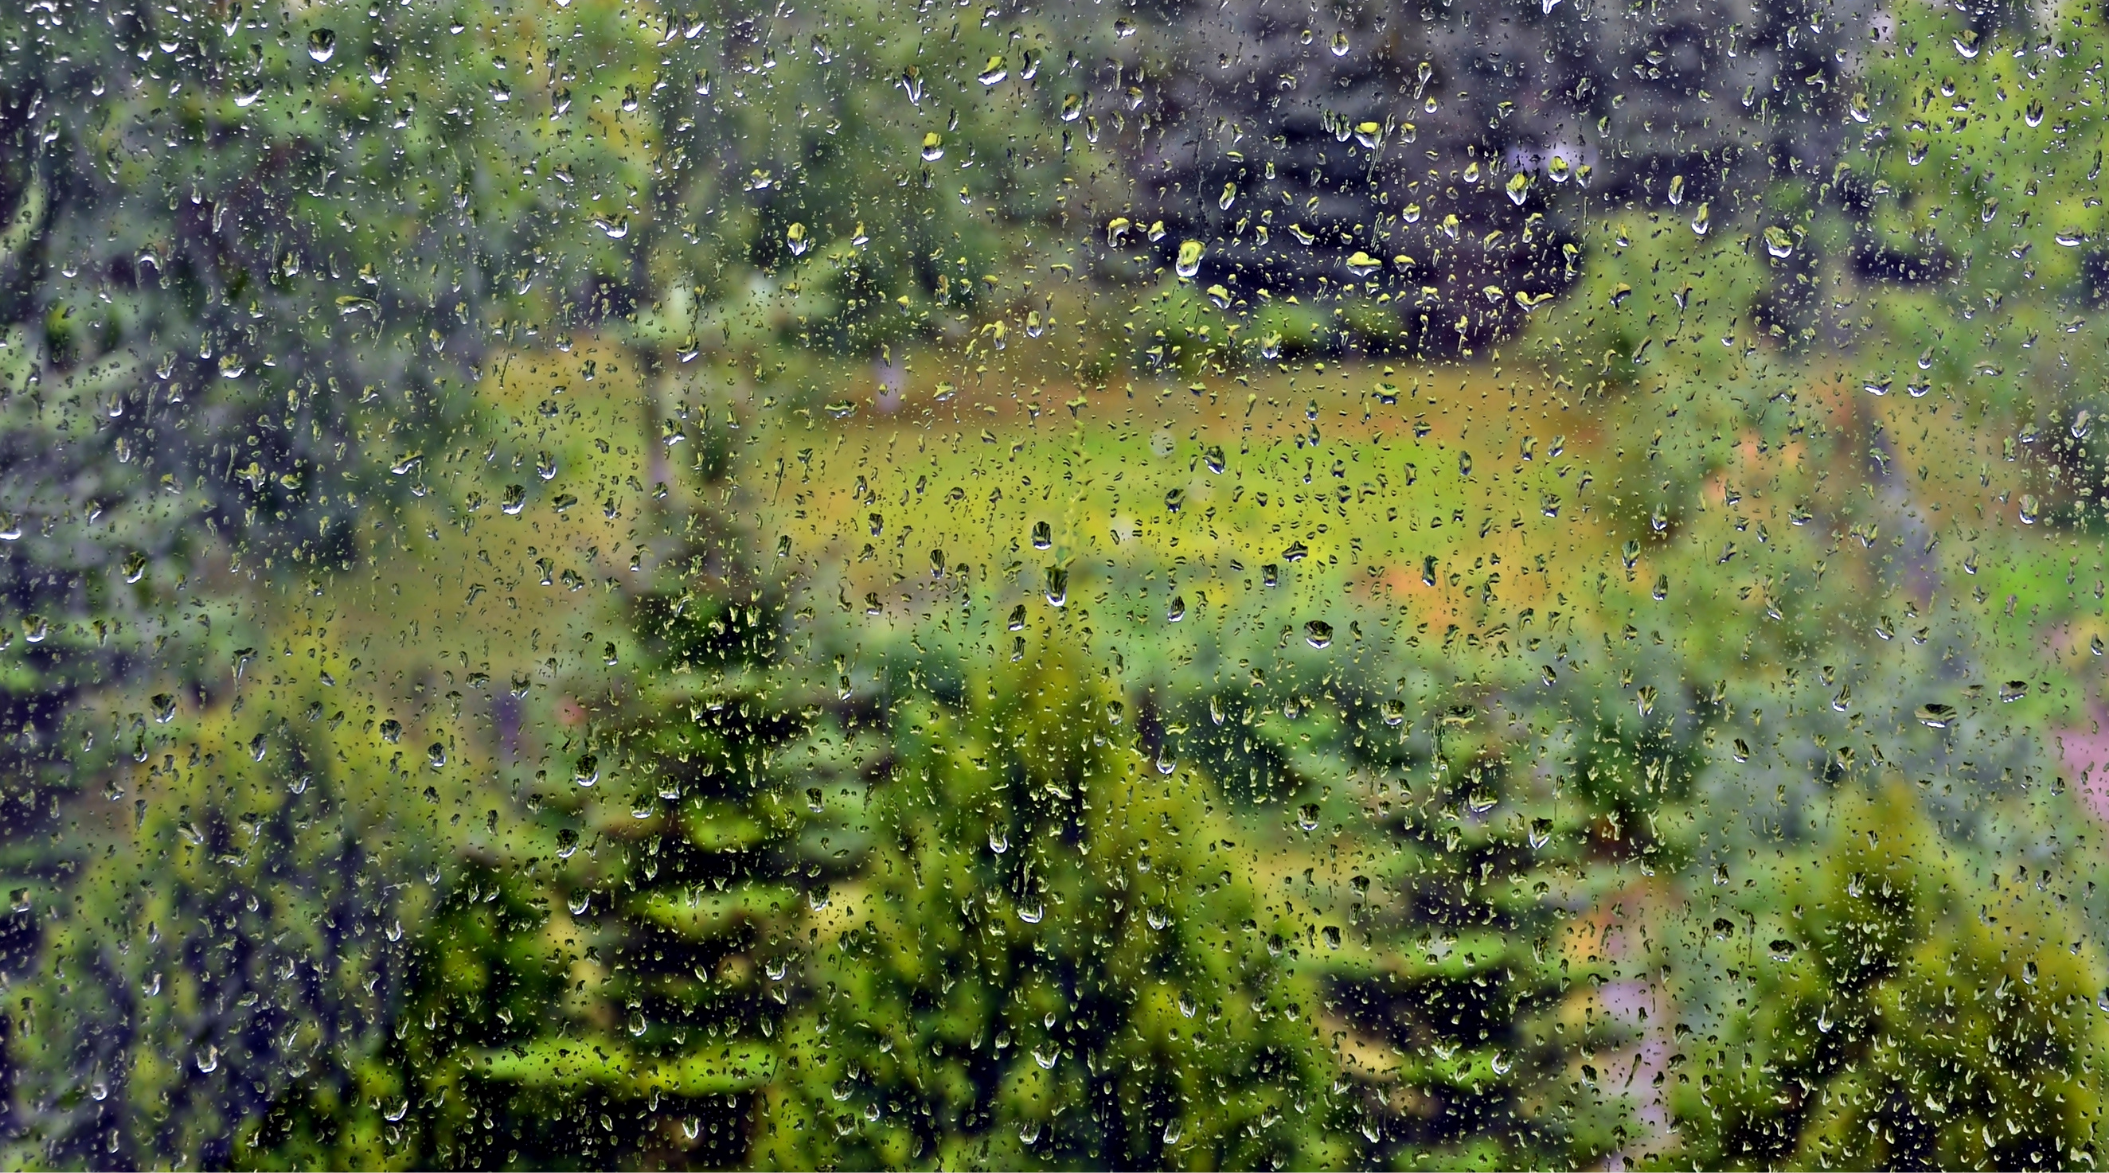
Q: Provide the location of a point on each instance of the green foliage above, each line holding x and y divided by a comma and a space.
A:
239, 945
1207, 895
1913, 1007
1050, 955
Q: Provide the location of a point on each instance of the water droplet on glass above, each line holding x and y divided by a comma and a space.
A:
1189, 260
1935, 715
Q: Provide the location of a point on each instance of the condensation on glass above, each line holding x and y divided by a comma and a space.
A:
1173, 584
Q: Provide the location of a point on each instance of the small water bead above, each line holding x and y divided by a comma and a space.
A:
1189, 260
1935, 715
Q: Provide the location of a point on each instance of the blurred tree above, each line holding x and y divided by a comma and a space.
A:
1463, 153
593, 985
1914, 1007
251, 260
1457, 961
239, 943
1047, 956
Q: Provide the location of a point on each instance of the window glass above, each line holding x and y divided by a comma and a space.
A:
1099, 583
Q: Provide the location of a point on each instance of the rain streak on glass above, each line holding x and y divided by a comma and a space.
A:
1088, 585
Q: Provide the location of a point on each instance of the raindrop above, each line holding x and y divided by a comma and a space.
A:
1189, 260
1935, 715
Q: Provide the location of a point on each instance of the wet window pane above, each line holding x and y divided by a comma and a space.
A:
1101, 584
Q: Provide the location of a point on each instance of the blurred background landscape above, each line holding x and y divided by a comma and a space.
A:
1113, 584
